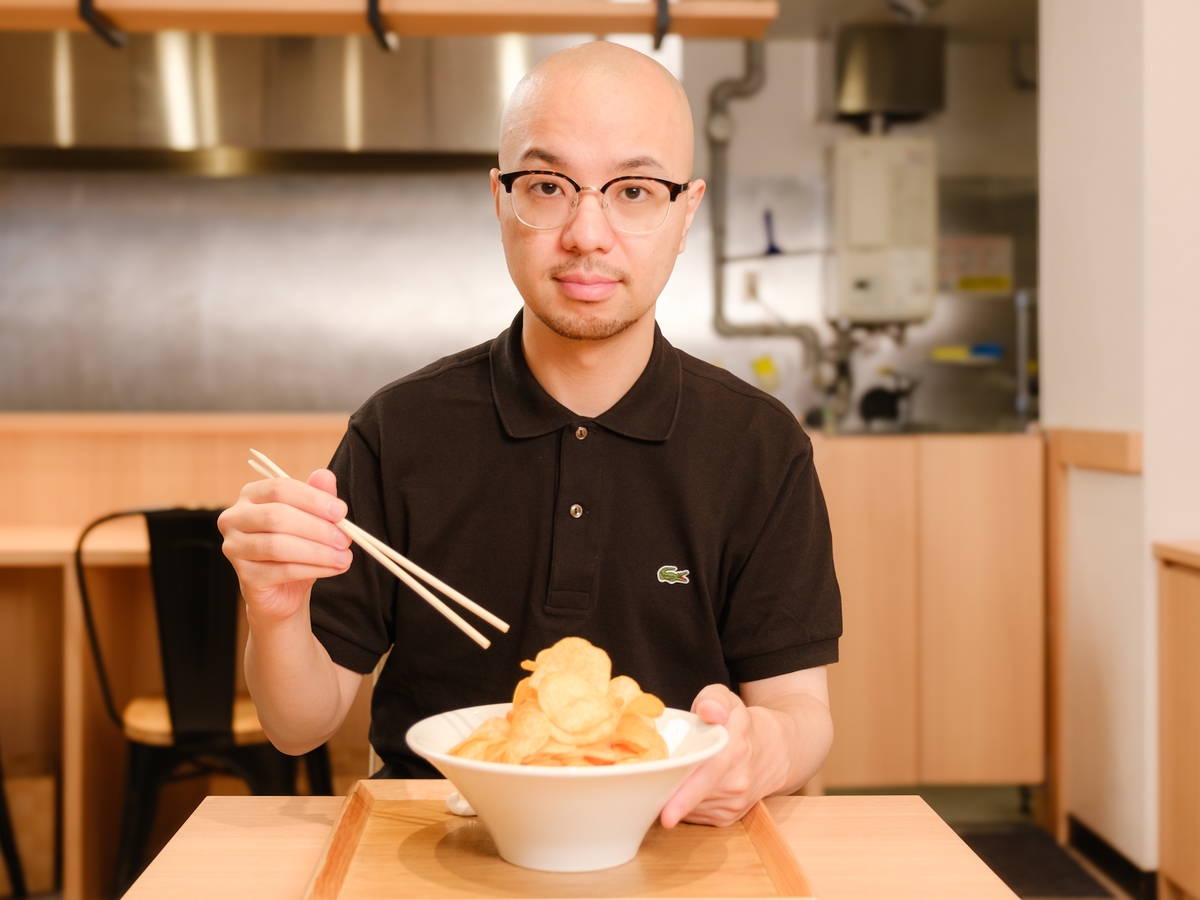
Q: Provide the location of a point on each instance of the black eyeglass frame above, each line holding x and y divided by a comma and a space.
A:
508, 178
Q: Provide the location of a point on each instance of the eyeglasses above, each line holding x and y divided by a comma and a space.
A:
633, 204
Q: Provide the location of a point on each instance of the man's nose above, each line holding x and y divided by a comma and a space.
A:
588, 228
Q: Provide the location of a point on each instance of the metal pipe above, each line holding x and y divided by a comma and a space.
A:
1023, 301
720, 128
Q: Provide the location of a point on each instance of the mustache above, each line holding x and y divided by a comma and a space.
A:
588, 267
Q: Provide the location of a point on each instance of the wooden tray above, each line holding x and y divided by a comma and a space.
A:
386, 845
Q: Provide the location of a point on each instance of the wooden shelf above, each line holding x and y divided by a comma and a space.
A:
689, 18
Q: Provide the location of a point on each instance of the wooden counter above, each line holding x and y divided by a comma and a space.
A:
1178, 720
851, 848
938, 544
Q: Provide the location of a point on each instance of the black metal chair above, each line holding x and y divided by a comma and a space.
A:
200, 726
8, 845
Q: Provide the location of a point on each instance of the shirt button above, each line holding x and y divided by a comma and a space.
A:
576, 510
581, 432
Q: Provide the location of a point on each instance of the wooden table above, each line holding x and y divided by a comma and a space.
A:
266, 848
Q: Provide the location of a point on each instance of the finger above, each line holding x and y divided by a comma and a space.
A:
256, 577
690, 794
248, 526
284, 549
282, 518
714, 704
323, 480
711, 711
306, 497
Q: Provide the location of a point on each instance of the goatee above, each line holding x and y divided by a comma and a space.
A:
577, 329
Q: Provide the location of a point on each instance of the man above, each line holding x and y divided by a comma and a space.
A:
577, 476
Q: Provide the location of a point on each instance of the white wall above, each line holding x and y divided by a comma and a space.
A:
1108, 717
1171, 385
1171, 320
1091, 312
1091, 214
1120, 137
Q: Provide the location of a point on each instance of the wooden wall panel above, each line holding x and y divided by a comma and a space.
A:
1179, 726
870, 486
982, 646
31, 658
1100, 451
71, 468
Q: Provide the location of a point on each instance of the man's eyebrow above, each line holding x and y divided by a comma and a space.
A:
553, 159
640, 162
550, 159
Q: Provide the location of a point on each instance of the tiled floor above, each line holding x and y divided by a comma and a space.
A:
1098, 875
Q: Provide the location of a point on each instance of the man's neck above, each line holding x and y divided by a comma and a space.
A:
587, 377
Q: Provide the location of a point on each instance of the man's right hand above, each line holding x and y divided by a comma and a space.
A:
281, 537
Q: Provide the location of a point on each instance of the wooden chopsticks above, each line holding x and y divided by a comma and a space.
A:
392, 561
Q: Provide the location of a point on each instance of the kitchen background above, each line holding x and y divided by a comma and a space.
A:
156, 291
307, 292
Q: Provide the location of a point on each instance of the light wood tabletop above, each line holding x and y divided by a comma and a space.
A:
266, 848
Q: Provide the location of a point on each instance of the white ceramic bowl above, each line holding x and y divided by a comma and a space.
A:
576, 819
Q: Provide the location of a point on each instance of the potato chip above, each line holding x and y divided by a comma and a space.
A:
529, 730
573, 655
560, 689
603, 729
646, 705
624, 689
636, 731
569, 712
583, 715
523, 691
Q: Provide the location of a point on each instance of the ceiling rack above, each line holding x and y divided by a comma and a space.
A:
738, 19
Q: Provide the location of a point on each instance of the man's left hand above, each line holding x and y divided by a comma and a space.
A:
776, 743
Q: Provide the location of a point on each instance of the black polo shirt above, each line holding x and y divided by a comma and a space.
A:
683, 531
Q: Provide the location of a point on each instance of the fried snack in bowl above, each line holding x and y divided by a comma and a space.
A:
572, 774
570, 713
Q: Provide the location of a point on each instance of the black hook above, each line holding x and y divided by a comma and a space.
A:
101, 24
662, 24
387, 39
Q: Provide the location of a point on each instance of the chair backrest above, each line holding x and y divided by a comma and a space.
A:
195, 597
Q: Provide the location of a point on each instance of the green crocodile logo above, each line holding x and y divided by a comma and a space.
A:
671, 575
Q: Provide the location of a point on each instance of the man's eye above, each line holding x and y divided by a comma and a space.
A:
546, 189
632, 193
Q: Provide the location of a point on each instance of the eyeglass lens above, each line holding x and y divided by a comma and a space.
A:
635, 206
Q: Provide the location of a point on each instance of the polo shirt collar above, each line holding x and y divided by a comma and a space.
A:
647, 412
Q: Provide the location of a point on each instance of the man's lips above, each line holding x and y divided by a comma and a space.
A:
587, 287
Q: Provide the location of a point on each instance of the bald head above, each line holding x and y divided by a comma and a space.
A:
603, 82
604, 116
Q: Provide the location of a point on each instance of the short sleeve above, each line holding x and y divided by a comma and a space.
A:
353, 613
784, 610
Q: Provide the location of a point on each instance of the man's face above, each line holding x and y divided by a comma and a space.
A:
586, 280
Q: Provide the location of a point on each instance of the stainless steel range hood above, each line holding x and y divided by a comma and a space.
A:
179, 91
891, 71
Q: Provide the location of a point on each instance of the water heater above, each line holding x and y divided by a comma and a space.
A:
885, 230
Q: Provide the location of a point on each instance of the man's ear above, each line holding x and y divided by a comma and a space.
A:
695, 193
496, 188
